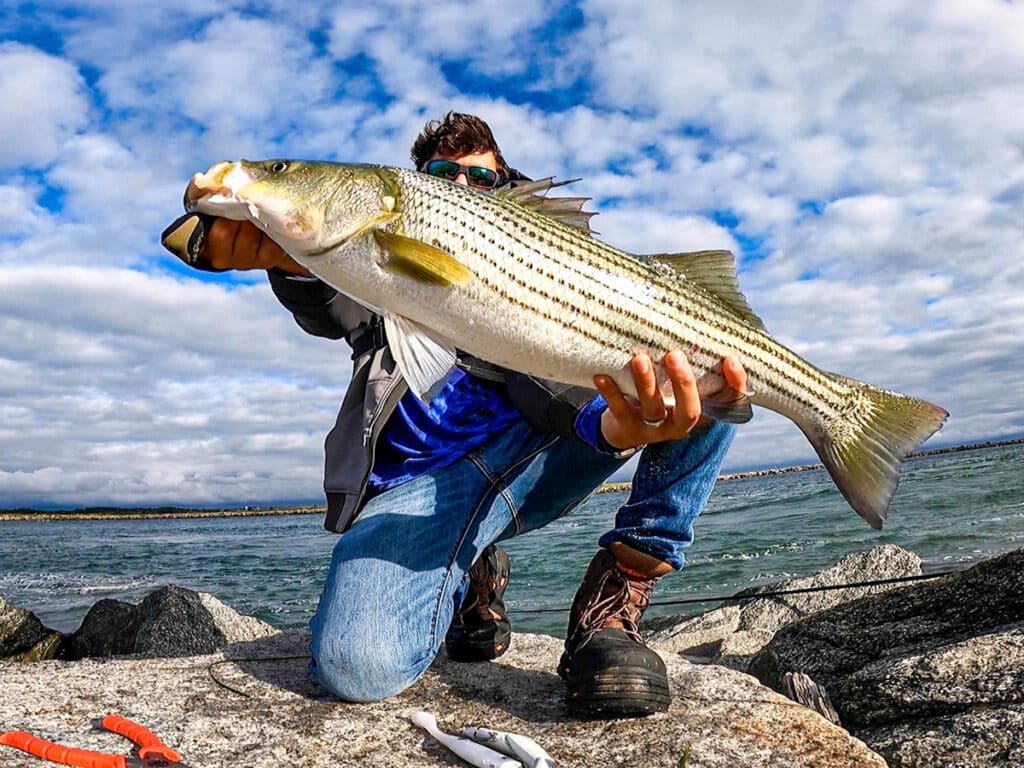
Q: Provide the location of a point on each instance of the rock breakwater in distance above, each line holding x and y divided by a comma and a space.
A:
150, 513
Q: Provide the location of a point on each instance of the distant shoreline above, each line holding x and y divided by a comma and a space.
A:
158, 513
613, 487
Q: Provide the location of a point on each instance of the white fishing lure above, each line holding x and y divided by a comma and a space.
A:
470, 751
523, 748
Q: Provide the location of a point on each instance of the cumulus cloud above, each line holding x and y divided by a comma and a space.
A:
863, 162
44, 104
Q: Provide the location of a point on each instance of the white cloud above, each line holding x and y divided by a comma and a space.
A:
43, 104
863, 161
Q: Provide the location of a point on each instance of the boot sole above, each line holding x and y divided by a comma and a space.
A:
464, 651
619, 693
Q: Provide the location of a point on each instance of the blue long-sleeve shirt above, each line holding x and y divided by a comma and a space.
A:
467, 412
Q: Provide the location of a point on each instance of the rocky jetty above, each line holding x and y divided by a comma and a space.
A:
275, 716
252, 702
929, 675
733, 634
924, 674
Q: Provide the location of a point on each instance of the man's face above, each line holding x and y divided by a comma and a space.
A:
482, 160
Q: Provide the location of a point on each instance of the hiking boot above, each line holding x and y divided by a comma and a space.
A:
481, 630
608, 671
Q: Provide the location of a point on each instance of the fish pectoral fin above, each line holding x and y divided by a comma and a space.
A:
419, 261
715, 272
724, 403
425, 362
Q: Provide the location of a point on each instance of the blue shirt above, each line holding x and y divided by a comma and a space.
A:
468, 411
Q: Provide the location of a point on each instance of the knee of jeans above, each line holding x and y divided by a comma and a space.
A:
365, 672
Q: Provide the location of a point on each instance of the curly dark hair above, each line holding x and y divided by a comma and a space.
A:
458, 134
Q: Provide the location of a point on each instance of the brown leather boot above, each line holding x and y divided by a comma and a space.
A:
607, 669
481, 630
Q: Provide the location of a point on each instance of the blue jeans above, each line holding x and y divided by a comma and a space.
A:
399, 572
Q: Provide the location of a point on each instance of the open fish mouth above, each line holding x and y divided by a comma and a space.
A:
219, 184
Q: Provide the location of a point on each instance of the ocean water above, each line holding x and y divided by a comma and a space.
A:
951, 509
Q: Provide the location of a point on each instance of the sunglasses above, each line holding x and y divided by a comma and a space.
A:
477, 176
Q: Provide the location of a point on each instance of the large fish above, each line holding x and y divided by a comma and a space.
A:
514, 278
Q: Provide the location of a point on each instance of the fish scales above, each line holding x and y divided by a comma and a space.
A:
667, 324
449, 267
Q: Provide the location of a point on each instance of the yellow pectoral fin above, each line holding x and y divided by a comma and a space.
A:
421, 262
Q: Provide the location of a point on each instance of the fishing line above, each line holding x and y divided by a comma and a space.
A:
222, 684
683, 601
759, 595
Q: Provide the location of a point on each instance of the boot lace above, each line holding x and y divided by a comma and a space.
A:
482, 583
618, 600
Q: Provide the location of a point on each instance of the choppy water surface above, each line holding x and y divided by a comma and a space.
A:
951, 509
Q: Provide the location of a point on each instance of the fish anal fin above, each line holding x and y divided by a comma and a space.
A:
720, 401
715, 272
420, 261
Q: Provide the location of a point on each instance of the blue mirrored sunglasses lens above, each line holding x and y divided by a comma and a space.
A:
444, 169
483, 177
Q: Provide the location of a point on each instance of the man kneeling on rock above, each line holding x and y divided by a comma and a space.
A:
422, 492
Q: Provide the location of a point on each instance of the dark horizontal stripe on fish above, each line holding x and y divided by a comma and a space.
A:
672, 319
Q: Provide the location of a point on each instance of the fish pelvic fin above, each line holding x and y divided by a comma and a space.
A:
420, 261
863, 448
715, 272
425, 361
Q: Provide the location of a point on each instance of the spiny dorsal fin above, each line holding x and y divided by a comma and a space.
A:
533, 195
419, 261
715, 271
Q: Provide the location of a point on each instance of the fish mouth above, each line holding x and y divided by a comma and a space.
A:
220, 183
237, 190
218, 191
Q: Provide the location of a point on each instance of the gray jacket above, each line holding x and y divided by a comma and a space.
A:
377, 386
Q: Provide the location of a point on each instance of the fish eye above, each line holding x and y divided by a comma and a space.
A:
278, 166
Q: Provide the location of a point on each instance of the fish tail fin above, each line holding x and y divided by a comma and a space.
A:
864, 447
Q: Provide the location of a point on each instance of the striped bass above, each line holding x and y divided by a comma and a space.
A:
515, 279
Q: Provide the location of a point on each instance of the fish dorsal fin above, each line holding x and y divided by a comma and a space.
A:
715, 272
425, 362
419, 261
533, 195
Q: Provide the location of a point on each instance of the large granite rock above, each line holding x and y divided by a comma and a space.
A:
172, 621
931, 675
23, 636
724, 718
733, 634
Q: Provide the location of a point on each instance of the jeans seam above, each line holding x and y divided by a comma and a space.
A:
495, 488
493, 480
497, 481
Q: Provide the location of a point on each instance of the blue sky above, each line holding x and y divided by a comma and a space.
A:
864, 161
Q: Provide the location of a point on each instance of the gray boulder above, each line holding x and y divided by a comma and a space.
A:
733, 634
103, 631
930, 675
273, 715
23, 636
172, 621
